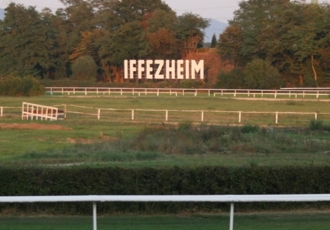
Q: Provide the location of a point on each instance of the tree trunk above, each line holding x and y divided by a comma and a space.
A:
314, 71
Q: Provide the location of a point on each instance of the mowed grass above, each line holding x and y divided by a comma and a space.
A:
281, 221
75, 140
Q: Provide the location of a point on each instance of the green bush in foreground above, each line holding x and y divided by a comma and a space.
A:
16, 86
103, 180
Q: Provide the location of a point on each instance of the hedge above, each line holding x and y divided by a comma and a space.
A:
86, 180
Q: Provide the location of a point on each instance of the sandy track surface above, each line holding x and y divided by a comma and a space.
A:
33, 126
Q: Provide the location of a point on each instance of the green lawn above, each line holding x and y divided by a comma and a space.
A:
80, 129
280, 221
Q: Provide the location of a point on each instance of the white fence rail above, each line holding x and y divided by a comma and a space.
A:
285, 92
232, 199
163, 115
39, 112
200, 115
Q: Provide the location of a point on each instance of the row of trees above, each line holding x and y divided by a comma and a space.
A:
292, 37
92, 37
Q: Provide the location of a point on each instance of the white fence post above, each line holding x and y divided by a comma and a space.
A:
166, 115
316, 116
231, 222
276, 118
239, 117
202, 116
132, 114
1, 111
94, 216
98, 114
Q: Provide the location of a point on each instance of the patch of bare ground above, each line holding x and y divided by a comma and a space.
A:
33, 126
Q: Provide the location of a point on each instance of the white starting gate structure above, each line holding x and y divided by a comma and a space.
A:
40, 112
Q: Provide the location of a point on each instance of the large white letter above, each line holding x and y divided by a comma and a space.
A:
158, 74
187, 68
141, 68
126, 69
132, 68
170, 69
179, 69
195, 68
149, 69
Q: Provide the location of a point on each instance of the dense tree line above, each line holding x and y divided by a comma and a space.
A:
91, 38
292, 37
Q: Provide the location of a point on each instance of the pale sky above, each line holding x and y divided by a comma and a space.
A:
221, 10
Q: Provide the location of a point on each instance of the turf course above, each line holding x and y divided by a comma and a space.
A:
315, 221
74, 140
80, 136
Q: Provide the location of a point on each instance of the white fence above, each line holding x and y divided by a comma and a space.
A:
232, 199
34, 111
39, 112
285, 92
163, 115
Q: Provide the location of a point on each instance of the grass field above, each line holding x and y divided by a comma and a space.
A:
84, 139
77, 134
288, 221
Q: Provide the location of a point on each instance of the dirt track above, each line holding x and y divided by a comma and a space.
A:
33, 126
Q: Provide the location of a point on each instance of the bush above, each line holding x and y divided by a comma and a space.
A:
230, 80
16, 86
317, 125
260, 74
84, 68
105, 180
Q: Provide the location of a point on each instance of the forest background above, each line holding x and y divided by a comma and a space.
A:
267, 44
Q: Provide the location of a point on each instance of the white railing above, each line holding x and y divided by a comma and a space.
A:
285, 92
36, 111
162, 115
232, 199
133, 114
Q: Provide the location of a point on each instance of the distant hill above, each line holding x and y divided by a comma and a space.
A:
2, 14
216, 27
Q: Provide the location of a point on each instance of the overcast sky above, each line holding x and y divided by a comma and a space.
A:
221, 10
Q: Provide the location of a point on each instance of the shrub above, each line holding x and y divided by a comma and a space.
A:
249, 129
84, 68
260, 74
230, 80
16, 86
317, 125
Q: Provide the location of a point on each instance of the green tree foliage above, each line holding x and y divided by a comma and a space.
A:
189, 29
84, 68
292, 36
213, 41
260, 74
25, 43
17, 86
230, 44
230, 80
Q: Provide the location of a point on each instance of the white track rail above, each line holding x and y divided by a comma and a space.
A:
232, 199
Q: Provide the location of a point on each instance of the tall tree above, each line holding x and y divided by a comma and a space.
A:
25, 42
230, 45
252, 17
214, 41
189, 30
